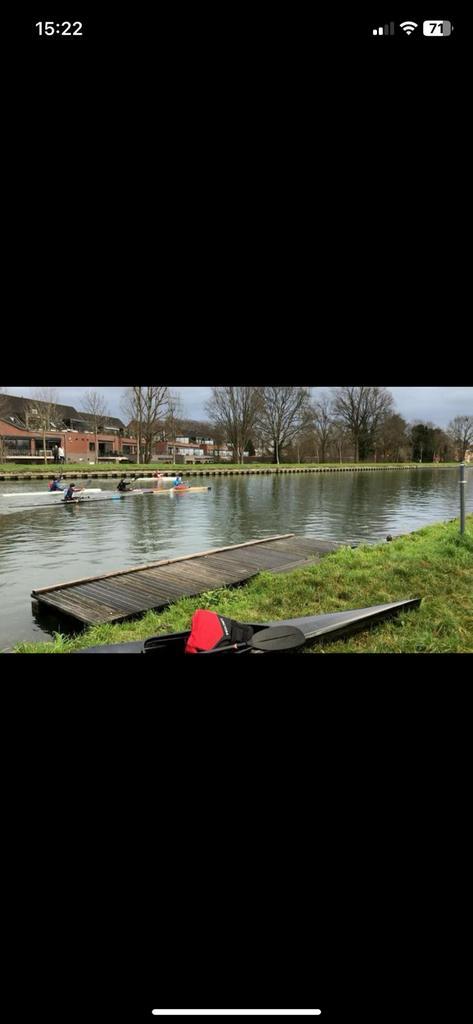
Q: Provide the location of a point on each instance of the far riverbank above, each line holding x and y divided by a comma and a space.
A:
79, 471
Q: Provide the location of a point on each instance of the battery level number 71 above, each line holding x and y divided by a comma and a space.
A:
437, 28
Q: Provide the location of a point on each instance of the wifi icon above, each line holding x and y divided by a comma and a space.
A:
409, 27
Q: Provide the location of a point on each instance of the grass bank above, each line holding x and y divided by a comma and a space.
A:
434, 563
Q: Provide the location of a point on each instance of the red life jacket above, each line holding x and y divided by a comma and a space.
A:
210, 630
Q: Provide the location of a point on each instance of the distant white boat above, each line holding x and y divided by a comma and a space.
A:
156, 481
21, 495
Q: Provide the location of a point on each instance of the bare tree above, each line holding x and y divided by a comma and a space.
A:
444, 449
339, 439
362, 410
303, 447
323, 424
132, 410
174, 415
234, 411
460, 430
156, 401
96, 407
282, 413
393, 439
41, 413
146, 407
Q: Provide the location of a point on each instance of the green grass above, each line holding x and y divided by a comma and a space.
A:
74, 467
112, 467
434, 563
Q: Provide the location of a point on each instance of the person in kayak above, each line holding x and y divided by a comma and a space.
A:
55, 484
69, 495
179, 482
123, 485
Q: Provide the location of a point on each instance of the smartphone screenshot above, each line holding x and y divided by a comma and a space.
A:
208, 184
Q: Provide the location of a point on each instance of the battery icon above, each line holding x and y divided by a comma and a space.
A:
437, 28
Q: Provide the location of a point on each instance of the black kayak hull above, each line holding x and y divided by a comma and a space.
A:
314, 627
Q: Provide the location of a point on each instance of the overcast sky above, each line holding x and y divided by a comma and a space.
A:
437, 404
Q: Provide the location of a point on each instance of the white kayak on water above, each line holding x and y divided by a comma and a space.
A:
83, 498
80, 498
181, 490
154, 481
49, 494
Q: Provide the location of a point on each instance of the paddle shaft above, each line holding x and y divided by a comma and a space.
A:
273, 639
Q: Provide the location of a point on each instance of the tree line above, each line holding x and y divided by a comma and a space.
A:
276, 423
289, 424
351, 423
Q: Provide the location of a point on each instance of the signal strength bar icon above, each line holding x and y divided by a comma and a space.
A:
384, 30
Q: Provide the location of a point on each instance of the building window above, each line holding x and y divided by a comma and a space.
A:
17, 445
91, 446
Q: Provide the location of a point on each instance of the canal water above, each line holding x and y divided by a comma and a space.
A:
45, 546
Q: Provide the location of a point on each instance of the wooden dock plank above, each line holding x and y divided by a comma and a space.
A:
162, 561
118, 595
86, 613
187, 570
116, 601
168, 584
202, 579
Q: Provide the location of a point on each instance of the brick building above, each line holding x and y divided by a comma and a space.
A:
185, 449
21, 437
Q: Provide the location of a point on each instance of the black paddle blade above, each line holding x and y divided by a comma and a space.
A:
277, 638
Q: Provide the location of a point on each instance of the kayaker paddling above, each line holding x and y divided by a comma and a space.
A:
69, 495
92, 495
124, 485
55, 485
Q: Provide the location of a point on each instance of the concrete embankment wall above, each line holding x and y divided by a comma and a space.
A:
184, 471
